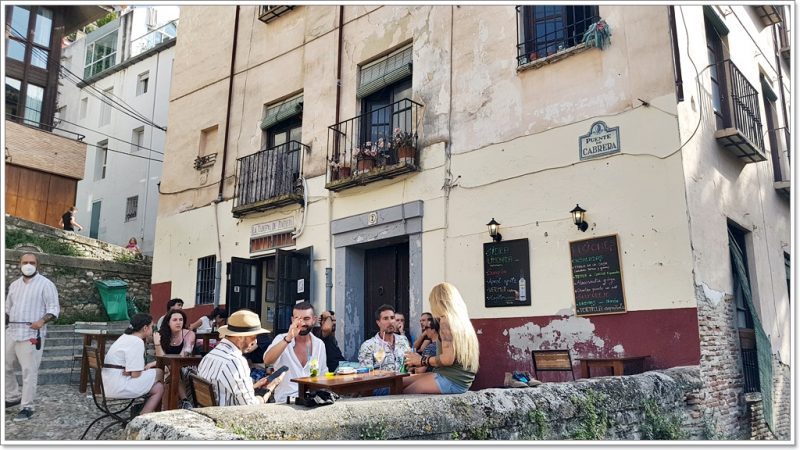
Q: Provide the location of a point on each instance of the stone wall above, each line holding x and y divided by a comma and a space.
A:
552, 411
91, 248
74, 277
782, 399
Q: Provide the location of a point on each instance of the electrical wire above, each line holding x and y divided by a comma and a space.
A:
123, 153
109, 136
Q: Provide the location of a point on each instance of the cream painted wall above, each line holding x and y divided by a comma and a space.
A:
720, 187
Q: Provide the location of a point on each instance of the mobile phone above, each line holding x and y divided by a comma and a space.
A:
276, 373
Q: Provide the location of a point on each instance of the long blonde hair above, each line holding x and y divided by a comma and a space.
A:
446, 301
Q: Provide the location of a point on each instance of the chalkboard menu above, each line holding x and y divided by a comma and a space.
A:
507, 273
596, 276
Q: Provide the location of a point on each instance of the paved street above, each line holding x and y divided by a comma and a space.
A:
62, 413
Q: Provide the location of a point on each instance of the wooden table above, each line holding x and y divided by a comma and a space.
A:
88, 338
206, 337
352, 384
623, 365
174, 362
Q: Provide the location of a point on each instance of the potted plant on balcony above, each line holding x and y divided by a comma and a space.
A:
339, 169
404, 143
365, 157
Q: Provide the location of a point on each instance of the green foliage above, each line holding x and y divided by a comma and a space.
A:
661, 425
374, 432
595, 423
127, 258
108, 18
479, 433
244, 432
49, 245
539, 424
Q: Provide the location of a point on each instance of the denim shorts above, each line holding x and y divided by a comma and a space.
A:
446, 386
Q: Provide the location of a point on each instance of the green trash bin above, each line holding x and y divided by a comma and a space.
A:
113, 293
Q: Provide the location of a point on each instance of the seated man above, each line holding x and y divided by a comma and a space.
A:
298, 349
400, 327
326, 331
390, 346
175, 303
226, 368
425, 344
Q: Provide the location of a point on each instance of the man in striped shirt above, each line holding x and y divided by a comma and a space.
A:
32, 301
226, 368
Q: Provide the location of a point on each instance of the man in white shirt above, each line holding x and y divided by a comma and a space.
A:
298, 349
32, 301
226, 367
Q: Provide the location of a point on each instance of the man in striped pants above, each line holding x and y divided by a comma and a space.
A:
32, 301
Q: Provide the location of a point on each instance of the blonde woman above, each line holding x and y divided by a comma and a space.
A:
456, 361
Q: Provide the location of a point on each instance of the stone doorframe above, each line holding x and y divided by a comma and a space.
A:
351, 236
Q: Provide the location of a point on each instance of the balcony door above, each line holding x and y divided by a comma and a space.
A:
283, 146
383, 113
717, 71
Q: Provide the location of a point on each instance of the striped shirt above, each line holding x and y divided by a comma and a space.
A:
226, 369
29, 302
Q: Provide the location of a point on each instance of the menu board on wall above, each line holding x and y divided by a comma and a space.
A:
506, 273
596, 276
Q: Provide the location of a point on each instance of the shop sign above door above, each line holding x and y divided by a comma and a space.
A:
273, 227
599, 141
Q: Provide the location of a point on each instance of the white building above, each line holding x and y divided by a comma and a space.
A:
129, 61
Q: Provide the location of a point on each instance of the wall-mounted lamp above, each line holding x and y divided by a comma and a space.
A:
578, 216
493, 230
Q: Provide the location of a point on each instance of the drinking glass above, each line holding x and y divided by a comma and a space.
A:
379, 355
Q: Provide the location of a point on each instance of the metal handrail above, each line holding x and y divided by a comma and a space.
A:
269, 173
741, 98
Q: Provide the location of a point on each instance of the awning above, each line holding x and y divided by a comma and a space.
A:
282, 111
385, 72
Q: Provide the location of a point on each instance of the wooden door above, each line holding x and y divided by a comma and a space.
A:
244, 291
385, 282
293, 284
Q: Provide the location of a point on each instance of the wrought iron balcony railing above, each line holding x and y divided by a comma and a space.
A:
269, 178
741, 118
547, 30
268, 13
379, 144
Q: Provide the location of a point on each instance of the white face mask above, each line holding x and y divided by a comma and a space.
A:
28, 270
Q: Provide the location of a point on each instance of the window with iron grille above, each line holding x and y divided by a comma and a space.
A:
131, 207
206, 268
545, 30
268, 13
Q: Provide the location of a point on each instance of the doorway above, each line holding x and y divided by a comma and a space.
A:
386, 281
94, 224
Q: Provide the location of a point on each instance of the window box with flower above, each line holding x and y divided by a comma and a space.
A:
403, 141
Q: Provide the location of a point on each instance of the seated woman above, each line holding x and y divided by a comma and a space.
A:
175, 339
133, 246
125, 374
456, 361
206, 324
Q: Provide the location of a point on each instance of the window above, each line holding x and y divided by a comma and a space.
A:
100, 160
137, 139
130, 208
84, 106
206, 269
715, 58
33, 104
787, 263
547, 29
13, 89
100, 55
742, 293
208, 141
30, 33
141, 83
382, 86
105, 107
268, 13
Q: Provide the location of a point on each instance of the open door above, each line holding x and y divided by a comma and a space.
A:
293, 280
244, 290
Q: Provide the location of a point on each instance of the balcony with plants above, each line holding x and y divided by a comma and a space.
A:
376, 145
269, 179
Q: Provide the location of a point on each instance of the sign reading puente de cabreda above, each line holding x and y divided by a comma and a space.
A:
599, 141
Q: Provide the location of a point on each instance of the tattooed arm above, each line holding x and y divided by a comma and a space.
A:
448, 356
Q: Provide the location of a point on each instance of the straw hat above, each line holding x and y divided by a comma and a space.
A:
242, 323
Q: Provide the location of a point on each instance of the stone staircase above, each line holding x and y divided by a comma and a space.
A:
57, 359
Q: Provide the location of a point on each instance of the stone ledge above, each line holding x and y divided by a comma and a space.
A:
76, 262
486, 414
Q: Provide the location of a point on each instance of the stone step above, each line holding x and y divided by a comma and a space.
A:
56, 362
54, 376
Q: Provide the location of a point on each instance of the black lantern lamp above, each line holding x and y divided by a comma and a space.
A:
578, 216
493, 230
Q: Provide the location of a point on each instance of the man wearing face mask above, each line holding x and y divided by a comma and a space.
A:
298, 349
31, 303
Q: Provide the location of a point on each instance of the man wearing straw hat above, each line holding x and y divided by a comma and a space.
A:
226, 368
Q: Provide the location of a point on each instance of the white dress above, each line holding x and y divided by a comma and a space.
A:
127, 351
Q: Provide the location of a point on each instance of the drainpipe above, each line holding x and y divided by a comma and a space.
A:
329, 270
220, 198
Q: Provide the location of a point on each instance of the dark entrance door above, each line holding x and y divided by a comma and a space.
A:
293, 284
244, 289
385, 281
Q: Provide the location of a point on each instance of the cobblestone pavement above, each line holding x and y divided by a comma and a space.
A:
61, 414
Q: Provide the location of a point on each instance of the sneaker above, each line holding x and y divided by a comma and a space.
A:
23, 415
509, 381
11, 403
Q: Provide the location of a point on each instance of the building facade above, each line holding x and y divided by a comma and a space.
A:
43, 162
121, 107
353, 155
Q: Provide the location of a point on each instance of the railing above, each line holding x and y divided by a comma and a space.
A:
268, 13
159, 35
269, 173
741, 99
750, 370
382, 137
563, 28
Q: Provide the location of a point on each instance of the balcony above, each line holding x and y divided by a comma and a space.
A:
154, 38
268, 13
741, 131
269, 179
376, 145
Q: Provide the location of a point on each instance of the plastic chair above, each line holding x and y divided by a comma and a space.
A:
110, 407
